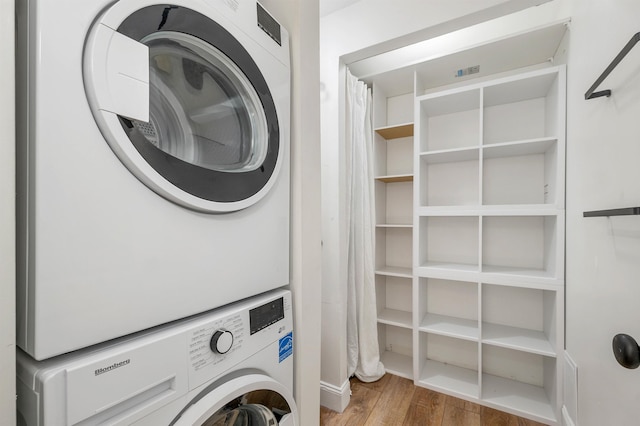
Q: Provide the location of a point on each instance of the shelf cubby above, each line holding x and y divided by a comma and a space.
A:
394, 203
521, 108
450, 120
449, 243
393, 157
394, 301
394, 247
520, 173
520, 381
449, 308
449, 365
524, 246
450, 178
520, 318
396, 349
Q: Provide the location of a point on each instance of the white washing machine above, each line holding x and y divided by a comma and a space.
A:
153, 164
232, 366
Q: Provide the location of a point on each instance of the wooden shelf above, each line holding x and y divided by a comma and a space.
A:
395, 178
396, 131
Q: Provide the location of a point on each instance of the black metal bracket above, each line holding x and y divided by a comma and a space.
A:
627, 211
591, 93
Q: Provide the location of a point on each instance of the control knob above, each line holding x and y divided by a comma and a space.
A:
221, 341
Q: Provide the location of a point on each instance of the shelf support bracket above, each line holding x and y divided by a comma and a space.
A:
591, 93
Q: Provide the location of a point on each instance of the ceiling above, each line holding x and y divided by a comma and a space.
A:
329, 6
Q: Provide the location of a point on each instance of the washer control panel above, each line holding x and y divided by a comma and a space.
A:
218, 342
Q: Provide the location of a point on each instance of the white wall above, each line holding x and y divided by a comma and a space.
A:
301, 18
603, 255
366, 28
7, 216
603, 152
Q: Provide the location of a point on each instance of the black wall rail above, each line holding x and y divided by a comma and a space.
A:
627, 211
591, 93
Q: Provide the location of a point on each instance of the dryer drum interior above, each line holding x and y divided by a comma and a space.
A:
262, 407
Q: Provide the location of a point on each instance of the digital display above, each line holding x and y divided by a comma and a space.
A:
265, 315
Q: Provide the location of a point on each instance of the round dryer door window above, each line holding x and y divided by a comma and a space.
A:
184, 106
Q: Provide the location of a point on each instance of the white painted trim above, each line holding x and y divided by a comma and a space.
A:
7, 215
566, 419
570, 391
335, 398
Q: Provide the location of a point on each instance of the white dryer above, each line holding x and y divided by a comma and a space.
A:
153, 164
231, 364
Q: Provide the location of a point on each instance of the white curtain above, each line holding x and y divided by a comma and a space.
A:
362, 331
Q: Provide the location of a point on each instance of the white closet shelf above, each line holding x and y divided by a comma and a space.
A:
516, 148
524, 281
396, 178
514, 277
450, 378
491, 150
459, 328
395, 317
451, 271
455, 155
513, 395
394, 271
492, 210
398, 364
396, 131
449, 101
520, 339
394, 225
492, 273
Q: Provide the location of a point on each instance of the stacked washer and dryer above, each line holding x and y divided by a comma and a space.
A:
153, 209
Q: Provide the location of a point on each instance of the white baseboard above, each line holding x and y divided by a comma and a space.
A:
333, 397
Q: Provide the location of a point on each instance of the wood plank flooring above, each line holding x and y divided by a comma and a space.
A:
394, 400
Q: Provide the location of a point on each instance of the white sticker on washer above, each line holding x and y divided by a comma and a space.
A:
233, 4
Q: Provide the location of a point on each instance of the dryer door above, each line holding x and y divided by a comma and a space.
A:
252, 399
183, 105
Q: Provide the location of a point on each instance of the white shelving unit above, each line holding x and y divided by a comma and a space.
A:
489, 241
393, 151
470, 221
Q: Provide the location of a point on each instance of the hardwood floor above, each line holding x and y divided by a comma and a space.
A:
396, 401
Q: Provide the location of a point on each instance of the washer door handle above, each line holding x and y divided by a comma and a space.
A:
117, 70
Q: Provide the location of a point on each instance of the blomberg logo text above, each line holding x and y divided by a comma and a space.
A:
103, 370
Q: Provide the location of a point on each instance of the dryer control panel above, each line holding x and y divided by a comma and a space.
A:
239, 331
